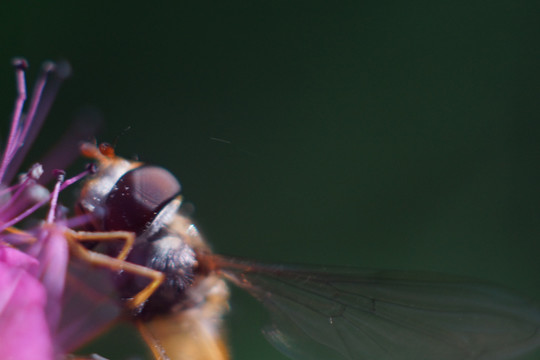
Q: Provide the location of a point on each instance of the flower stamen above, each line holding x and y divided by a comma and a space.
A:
20, 66
24, 129
60, 175
61, 186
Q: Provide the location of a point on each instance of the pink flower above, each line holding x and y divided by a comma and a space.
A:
24, 330
33, 262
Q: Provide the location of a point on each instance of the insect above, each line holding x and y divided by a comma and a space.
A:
134, 250
177, 292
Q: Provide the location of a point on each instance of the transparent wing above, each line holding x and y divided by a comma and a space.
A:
90, 305
329, 313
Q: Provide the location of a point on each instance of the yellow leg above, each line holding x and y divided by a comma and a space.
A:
14, 230
30, 239
157, 350
83, 357
126, 236
117, 264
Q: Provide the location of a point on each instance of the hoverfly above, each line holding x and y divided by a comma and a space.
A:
175, 288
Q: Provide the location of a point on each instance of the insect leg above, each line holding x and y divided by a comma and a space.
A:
157, 349
83, 357
117, 264
24, 236
126, 236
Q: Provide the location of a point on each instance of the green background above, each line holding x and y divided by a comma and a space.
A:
380, 134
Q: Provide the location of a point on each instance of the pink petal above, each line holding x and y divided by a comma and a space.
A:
17, 259
53, 261
24, 331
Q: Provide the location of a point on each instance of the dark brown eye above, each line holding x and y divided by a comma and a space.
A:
138, 197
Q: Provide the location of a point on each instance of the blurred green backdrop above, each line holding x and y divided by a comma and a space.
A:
385, 134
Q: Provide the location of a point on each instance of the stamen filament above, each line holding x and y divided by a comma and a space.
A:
54, 196
20, 67
39, 204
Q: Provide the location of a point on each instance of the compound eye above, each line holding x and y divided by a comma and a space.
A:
138, 197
